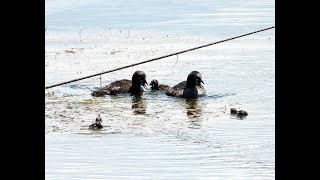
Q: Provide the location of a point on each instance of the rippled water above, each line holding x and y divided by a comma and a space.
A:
155, 136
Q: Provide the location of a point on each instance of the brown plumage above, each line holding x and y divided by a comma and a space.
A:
188, 89
134, 86
156, 86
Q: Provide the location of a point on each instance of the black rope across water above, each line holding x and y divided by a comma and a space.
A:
154, 59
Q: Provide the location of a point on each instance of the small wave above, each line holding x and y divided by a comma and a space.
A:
216, 96
79, 86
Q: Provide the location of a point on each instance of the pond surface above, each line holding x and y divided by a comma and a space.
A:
155, 136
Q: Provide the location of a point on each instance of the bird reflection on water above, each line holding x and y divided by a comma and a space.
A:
139, 104
194, 113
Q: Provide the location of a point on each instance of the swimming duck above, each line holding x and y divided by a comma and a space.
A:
156, 86
242, 114
138, 83
188, 89
134, 86
97, 124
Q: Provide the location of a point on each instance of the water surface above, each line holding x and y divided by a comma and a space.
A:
155, 136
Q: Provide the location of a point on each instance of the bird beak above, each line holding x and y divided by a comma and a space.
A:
201, 84
144, 82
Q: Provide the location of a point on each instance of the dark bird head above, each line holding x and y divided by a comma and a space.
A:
139, 78
194, 78
99, 119
233, 111
154, 84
